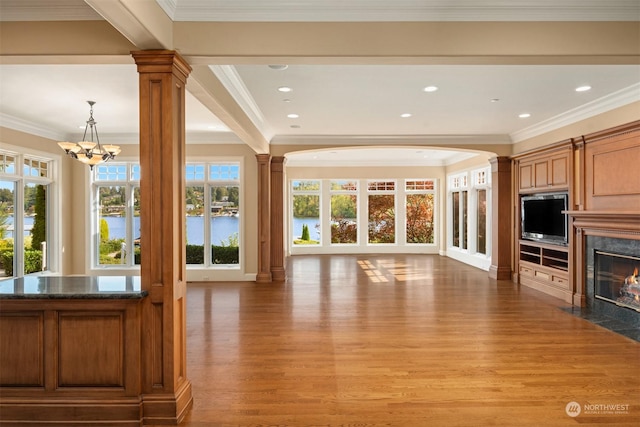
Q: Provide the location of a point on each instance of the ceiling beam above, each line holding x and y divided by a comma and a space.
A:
143, 22
521, 43
210, 91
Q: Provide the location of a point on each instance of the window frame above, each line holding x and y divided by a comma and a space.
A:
132, 182
20, 179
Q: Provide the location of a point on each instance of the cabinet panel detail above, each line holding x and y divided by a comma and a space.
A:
90, 349
541, 174
613, 172
526, 173
22, 344
559, 171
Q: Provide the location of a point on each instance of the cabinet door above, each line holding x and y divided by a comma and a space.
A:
541, 172
558, 168
526, 176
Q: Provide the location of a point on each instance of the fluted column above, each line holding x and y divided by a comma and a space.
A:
500, 218
277, 219
264, 221
166, 390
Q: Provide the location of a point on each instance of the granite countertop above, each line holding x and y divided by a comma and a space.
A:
72, 287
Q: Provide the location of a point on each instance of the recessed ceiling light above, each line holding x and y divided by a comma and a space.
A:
295, 126
583, 88
430, 88
285, 89
495, 99
286, 100
278, 67
405, 115
293, 116
524, 115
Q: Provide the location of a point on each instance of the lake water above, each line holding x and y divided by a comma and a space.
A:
222, 228
28, 225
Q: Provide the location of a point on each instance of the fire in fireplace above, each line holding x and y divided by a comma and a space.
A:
616, 279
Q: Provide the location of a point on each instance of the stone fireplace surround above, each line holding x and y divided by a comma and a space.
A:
615, 232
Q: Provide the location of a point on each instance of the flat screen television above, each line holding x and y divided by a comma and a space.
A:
542, 218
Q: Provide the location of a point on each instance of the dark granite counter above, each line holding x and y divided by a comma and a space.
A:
72, 287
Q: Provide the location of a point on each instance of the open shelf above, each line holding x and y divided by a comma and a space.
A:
553, 257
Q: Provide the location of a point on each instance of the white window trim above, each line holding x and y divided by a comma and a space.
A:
363, 247
469, 255
194, 272
54, 222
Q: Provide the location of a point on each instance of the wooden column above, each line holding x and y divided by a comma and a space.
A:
501, 226
264, 222
277, 219
165, 387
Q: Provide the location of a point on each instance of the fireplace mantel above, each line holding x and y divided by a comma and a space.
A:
624, 222
614, 224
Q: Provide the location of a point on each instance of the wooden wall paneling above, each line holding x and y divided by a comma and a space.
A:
22, 349
611, 169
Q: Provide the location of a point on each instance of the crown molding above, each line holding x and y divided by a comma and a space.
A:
402, 10
583, 112
46, 10
390, 139
169, 7
15, 123
232, 81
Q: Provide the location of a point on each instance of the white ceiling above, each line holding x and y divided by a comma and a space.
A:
350, 103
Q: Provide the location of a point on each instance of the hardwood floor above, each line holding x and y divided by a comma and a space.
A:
400, 341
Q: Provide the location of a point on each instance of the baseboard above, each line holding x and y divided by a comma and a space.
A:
45, 412
167, 409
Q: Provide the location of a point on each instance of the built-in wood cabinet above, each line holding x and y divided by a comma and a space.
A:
598, 171
545, 267
544, 172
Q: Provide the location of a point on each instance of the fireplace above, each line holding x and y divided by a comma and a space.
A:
612, 284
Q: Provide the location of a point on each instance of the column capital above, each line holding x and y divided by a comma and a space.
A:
161, 61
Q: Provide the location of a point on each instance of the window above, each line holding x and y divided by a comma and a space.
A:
306, 212
344, 211
381, 212
212, 191
224, 208
24, 214
469, 212
481, 234
481, 185
459, 209
116, 188
420, 203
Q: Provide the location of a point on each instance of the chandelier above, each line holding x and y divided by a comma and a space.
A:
87, 151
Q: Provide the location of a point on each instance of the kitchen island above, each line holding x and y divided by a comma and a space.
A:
70, 350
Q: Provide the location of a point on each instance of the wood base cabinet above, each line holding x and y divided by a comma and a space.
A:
545, 268
70, 362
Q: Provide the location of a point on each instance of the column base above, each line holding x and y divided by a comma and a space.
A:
167, 409
278, 274
500, 273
